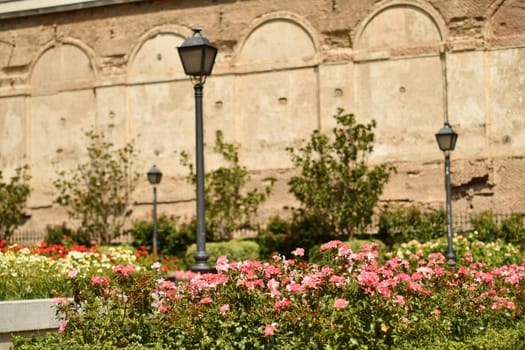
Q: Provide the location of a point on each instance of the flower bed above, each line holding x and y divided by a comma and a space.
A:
32, 272
351, 302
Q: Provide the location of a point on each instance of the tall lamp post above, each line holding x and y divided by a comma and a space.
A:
154, 177
446, 139
198, 56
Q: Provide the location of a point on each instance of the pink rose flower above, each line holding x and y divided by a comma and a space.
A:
340, 303
62, 327
60, 300
298, 252
224, 309
101, 281
206, 300
269, 330
222, 264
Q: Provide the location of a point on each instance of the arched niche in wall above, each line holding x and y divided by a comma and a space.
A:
12, 134
62, 108
399, 79
160, 99
276, 90
505, 21
505, 33
12, 122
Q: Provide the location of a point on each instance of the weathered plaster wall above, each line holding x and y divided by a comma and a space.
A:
283, 69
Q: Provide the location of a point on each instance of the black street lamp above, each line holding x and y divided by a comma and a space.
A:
446, 139
198, 56
154, 177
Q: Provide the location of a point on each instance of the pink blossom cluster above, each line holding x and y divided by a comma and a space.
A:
284, 284
102, 281
124, 271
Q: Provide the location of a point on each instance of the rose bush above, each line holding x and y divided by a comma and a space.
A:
351, 303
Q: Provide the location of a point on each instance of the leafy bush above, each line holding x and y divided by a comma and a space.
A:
336, 188
228, 205
173, 238
95, 315
98, 192
513, 230
486, 226
402, 224
277, 237
288, 304
13, 197
59, 234
237, 250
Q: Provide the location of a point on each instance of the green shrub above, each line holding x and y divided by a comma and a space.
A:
276, 237
282, 236
56, 234
235, 250
13, 197
336, 187
486, 226
401, 224
513, 229
173, 238
98, 192
229, 206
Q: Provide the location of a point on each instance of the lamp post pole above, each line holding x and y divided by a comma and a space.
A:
451, 256
198, 57
446, 139
201, 256
154, 177
155, 220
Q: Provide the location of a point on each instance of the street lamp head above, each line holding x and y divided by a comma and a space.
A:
446, 138
197, 56
154, 175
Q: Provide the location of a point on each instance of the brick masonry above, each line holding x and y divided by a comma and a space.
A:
283, 69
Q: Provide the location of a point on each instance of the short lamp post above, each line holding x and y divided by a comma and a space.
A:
198, 56
446, 139
154, 177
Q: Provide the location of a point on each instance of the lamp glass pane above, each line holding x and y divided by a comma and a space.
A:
209, 59
191, 58
154, 176
444, 141
453, 141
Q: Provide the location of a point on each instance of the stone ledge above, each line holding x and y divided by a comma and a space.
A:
27, 315
19, 8
25, 318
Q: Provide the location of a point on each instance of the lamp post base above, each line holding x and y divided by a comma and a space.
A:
201, 263
203, 268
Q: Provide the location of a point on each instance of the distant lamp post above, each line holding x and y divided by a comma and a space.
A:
446, 139
154, 177
198, 56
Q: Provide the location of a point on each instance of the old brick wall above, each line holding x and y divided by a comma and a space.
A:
283, 69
